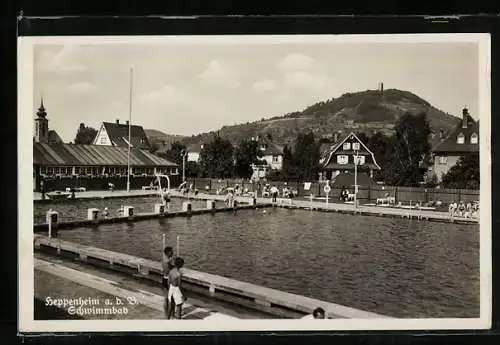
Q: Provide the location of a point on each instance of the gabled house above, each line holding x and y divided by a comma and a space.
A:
117, 134
340, 157
193, 152
463, 140
272, 158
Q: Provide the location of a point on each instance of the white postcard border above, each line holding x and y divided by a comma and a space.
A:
25, 203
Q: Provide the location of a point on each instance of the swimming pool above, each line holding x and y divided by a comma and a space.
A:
397, 267
72, 210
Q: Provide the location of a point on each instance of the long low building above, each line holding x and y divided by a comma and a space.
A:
61, 165
93, 160
63, 161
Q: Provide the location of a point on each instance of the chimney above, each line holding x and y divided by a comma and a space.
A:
336, 137
117, 121
465, 113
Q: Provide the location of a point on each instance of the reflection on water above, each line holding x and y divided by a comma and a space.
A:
396, 267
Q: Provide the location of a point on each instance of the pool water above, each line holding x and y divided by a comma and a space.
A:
396, 267
72, 210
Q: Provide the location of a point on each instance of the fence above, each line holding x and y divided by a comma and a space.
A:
366, 194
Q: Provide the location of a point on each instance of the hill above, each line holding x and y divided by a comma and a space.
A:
367, 111
156, 136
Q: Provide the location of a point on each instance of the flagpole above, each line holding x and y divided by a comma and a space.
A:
129, 124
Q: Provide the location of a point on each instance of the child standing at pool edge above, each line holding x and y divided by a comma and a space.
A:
168, 264
175, 296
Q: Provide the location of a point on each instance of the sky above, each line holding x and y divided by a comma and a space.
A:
191, 88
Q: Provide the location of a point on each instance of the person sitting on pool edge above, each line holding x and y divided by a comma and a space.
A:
175, 296
168, 263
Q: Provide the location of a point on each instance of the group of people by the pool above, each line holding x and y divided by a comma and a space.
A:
461, 209
273, 192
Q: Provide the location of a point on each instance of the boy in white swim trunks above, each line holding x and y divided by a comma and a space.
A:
175, 296
168, 264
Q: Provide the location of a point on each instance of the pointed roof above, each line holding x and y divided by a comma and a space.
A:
118, 134
450, 145
41, 111
327, 155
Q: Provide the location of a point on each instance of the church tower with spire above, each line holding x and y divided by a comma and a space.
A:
41, 125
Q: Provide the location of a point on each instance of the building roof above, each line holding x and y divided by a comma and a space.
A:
194, 148
326, 156
450, 145
347, 180
93, 155
350, 166
271, 149
118, 134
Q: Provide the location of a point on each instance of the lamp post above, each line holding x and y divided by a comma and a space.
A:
356, 161
184, 154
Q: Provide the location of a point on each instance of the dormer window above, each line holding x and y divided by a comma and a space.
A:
473, 138
355, 146
347, 146
461, 138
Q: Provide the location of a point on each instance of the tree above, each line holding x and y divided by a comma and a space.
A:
382, 149
216, 158
193, 169
175, 152
464, 174
246, 154
305, 159
155, 146
288, 170
85, 135
410, 143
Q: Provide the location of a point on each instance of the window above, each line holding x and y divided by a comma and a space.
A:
460, 138
473, 138
89, 171
443, 160
103, 140
347, 146
275, 159
342, 159
361, 159
50, 171
56, 171
355, 146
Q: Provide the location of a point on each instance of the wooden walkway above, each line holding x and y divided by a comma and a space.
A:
245, 202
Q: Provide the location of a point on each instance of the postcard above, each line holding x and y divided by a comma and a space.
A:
254, 183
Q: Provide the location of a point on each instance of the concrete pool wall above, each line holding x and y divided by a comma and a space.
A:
218, 287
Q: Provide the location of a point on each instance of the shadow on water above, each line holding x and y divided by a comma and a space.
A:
397, 267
